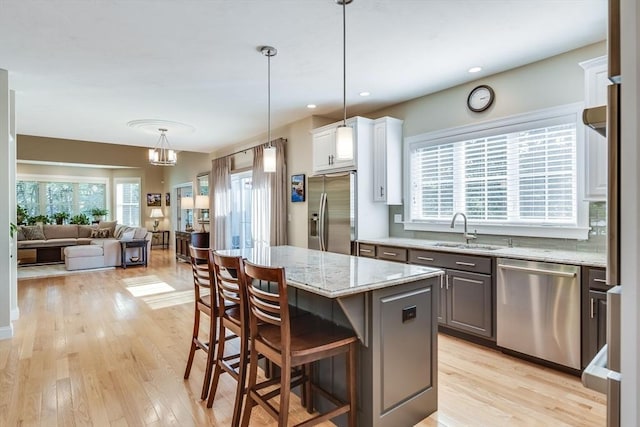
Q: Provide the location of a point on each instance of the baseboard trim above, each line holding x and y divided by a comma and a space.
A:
6, 332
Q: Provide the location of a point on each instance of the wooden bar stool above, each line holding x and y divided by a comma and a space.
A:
228, 272
205, 302
291, 344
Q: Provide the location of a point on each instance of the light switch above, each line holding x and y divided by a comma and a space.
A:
397, 218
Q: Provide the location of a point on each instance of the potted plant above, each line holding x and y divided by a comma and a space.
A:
33, 220
99, 213
80, 219
13, 229
59, 217
21, 215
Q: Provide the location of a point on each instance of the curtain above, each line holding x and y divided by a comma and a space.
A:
221, 186
269, 198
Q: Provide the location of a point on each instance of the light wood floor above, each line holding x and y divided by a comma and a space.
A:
108, 348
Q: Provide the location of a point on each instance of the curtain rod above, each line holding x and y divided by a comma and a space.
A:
244, 150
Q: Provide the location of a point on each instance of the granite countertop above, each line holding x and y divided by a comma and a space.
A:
334, 275
592, 259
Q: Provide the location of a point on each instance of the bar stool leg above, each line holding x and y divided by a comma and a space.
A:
285, 389
217, 370
194, 336
253, 378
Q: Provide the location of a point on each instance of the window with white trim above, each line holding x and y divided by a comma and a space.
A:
517, 173
128, 201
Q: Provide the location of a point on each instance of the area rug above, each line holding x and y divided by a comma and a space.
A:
42, 271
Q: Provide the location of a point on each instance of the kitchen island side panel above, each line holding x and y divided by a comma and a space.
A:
397, 370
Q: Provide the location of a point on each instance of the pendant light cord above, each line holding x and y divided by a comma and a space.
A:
269, 99
344, 62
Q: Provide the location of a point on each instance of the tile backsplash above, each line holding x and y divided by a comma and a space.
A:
597, 241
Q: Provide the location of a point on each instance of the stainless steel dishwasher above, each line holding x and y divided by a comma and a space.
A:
538, 310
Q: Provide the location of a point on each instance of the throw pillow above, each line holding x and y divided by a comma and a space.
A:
33, 232
111, 225
100, 233
128, 235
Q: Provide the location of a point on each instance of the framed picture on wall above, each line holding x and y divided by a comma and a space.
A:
297, 188
154, 199
167, 199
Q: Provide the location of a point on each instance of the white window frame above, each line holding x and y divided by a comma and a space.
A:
504, 125
73, 179
128, 180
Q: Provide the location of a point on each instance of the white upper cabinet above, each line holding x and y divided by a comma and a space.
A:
596, 82
324, 151
324, 146
387, 161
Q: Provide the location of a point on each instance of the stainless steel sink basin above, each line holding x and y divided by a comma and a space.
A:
467, 246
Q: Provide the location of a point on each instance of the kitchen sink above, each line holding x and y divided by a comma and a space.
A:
468, 246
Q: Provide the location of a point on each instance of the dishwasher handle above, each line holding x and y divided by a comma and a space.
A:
537, 270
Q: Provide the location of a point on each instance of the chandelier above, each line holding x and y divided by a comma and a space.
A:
162, 154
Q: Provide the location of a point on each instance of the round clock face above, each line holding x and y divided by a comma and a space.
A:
480, 98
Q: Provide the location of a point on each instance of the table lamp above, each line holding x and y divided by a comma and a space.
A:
202, 202
155, 214
186, 203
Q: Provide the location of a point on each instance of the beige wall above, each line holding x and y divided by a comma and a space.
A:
554, 81
41, 149
551, 82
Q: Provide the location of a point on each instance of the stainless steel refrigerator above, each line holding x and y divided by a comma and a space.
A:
332, 212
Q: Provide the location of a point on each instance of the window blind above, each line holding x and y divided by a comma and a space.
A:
524, 176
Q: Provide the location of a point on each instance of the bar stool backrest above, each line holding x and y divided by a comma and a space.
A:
267, 301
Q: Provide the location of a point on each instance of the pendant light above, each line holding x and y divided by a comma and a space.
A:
162, 154
269, 153
344, 133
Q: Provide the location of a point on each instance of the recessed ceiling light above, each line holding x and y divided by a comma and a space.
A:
475, 69
365, 93
311, 106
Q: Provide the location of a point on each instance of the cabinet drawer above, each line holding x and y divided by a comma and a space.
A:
366, 250
471, 263
428, 258
598, 279
391, 253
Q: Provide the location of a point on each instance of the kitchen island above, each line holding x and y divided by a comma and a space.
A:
392, 308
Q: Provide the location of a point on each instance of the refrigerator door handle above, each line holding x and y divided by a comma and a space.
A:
323, 213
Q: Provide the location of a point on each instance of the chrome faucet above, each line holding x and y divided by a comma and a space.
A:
466, 235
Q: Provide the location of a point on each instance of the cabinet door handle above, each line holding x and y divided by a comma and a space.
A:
447, 277
424, 258
368, 251
467, 264
441, 282
593, 307
390, 253
600, 280
381, 191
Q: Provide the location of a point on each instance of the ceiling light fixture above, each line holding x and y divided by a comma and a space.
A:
269, 153
162, 154
344, 133
475, 69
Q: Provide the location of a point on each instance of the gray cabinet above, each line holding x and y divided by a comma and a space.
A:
594, 309
465, 302
468, 302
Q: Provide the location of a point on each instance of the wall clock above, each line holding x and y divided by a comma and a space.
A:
480, 98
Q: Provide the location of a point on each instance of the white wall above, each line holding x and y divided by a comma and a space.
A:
630, 209
7, 281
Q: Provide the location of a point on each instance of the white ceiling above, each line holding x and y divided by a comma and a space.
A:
84, 69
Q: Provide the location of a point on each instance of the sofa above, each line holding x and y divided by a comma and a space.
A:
78, 246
